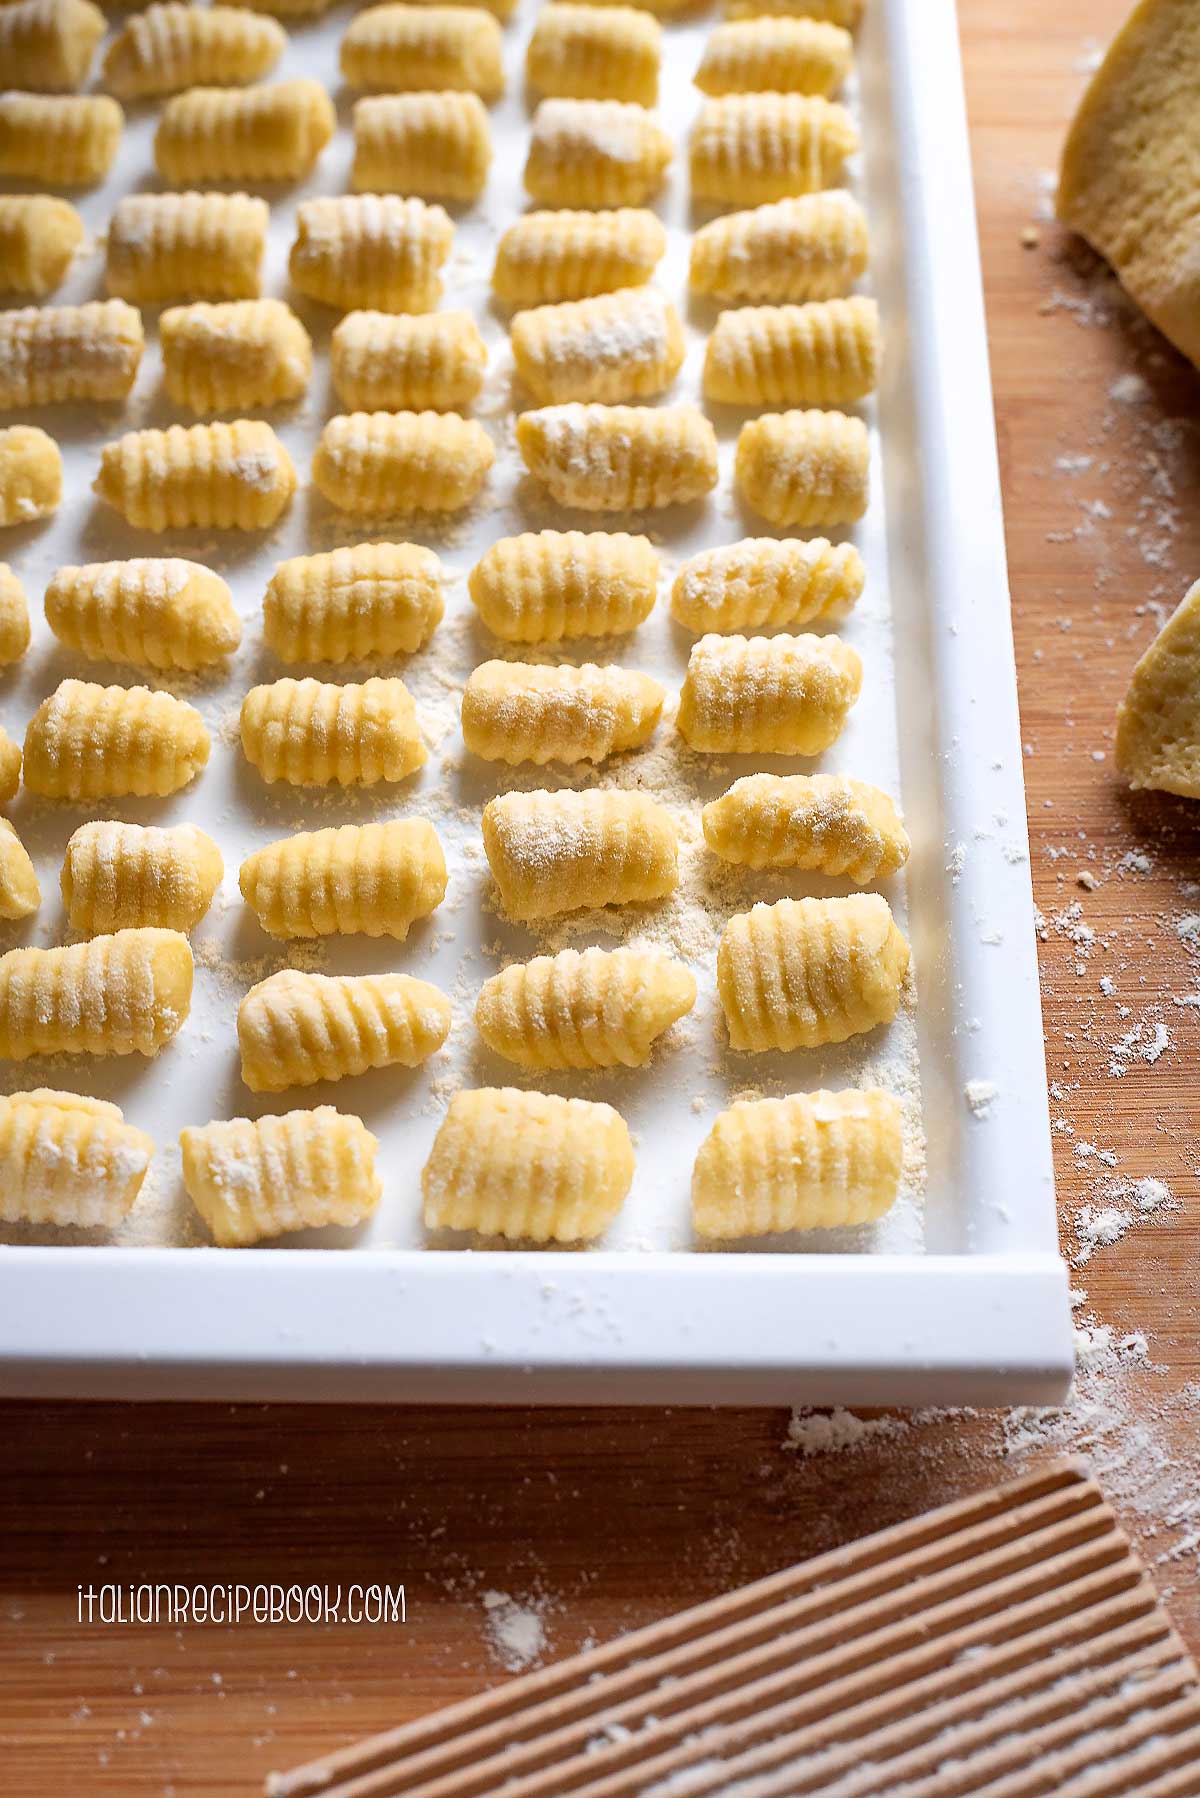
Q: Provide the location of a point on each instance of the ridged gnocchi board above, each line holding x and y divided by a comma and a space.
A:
1011, 1643
958, 1292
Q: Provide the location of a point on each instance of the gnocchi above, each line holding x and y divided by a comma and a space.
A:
30, 474
354, 879
525, 712
119, 876
826, 823
619, 458
595, 53
768, 695
14, 618
616, 346
10, 766
274, 132
768, 581
63, 141
39, 236
549, 256
749, 148
151, 612
295, 1029
313, 733
233, 476
188, 246
171, 47
370, 250
776, 55
430, 48
847, 13
124, 994
254, 1179
50, 354
810, 469
825, 353
218, 358
546, 585
68, 1160
389, 462
813, 247
436, 362
376, 599
436, 145
90, 742
560, 852
595, 153
20, 894
595, 1009
47, 46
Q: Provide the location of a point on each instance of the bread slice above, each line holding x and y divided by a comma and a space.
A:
1158, 721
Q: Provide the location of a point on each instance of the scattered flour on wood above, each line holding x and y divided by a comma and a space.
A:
515, 1632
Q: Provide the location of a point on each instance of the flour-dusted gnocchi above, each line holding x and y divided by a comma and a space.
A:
254, 1179
186, 247
232, 476
526, 712
803, 972
10, 766
39, 236
274, 132
370, 250
596, 153
436, 145
847, 13
432, 362
30, 474
124, 994
595, 53
91, 742
619, 458
128, 876
68, 1160
49, 354
560, 852
289, 9
776, 55
63, 141
295, 1029
813, 1161
314, 733
376, 599
549, 256
527, 1165
236, 353
435, 48
814, 247
767, 695
827, 823
20, 894
376, 463
825, 353
804, 468
546, 585
616, 346
14, 618
768, 581
171, 47
354, 879
47, 46
595, 1009
150, 612
748, 148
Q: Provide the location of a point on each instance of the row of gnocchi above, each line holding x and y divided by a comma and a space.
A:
522, 1165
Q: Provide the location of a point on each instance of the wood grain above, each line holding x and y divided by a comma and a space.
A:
612, 1520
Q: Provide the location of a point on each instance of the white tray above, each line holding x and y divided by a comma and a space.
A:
959, 1295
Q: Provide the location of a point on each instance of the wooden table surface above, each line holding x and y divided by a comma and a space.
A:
606, 1520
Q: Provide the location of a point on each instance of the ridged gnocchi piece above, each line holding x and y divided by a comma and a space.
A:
619, 458
10, 766
186, 247
560, 852
804, 972
172, 47
546, 585
376, 599
748, 148
119, 876
812, 1161
150, 612
14, 618
388, 462
616, 346
525, 712
662, 9
825, 353
595, 153
768, 695
49, 354
314, 733
295, 1029
63, 141
595, 53
254, 1179
437, 49
124, 994
550, 256
68, 1160
810, 469
435, 362
370, 250
274, 132
91, 742
436, 145
596, 1009
769, 581
289, 9
237, 353
39, 236
354, 879
847, 13
813, 247
30, 474
232, 476
826, 823
20, 894
527, 1165
776, 55
46, 46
